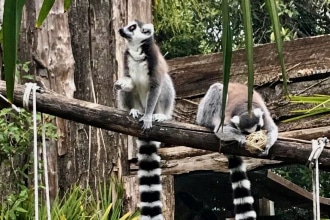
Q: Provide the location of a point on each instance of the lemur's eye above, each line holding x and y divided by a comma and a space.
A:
146, 31
132, 28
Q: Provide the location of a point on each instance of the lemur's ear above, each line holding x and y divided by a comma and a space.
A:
258, 112
235, 120
148, 29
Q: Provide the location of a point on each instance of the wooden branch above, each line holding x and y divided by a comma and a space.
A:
168, 132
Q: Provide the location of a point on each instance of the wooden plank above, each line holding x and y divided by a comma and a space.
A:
283, 192
308, 134
209, 162
303, 57
294, 191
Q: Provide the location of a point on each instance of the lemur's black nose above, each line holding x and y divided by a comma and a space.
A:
122, 33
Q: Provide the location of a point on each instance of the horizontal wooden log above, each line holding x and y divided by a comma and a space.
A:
168, 132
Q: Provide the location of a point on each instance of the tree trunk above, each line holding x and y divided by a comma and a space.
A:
49, 51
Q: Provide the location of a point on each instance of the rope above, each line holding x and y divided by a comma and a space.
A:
44, 157
26, 97
313, 164
35, 149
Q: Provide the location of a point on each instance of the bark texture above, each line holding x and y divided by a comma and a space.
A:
175, 133
89, 160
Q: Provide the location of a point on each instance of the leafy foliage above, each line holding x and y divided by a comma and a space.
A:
77, 203
16, 135
195, 27
16, 132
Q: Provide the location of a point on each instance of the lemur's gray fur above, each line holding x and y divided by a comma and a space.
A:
237, 123
146, 90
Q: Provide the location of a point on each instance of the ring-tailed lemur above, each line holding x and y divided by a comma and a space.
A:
237, 124
146, 90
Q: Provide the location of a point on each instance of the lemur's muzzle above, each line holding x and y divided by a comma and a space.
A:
123, 34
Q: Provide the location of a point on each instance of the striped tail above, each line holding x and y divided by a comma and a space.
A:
243, 200
149, 180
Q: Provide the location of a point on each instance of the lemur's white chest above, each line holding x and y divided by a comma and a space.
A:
138, 72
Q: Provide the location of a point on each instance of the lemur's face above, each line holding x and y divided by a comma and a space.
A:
136, 31
248, 124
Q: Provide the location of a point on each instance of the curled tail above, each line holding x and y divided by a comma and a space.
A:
149, 180
243, 200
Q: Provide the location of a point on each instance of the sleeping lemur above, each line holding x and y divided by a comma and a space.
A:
237, 124
146, 90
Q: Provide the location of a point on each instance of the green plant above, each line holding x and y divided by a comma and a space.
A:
11, 208
16, 132
22, 70
16, 135
321, 105
77, 203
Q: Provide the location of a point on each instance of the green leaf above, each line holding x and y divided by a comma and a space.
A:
106, 213
321, 101
67, 4
227, 54
19, 209
272, 10
247, 22
126, 216
11, 26
320, 111
44, 11
309, 99
319, 106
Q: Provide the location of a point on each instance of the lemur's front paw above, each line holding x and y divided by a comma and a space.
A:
241, 140
125, 84
135, 113
266, 151
147, 122
159, 117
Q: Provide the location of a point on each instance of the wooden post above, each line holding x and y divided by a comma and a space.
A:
266, 207
132, 195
